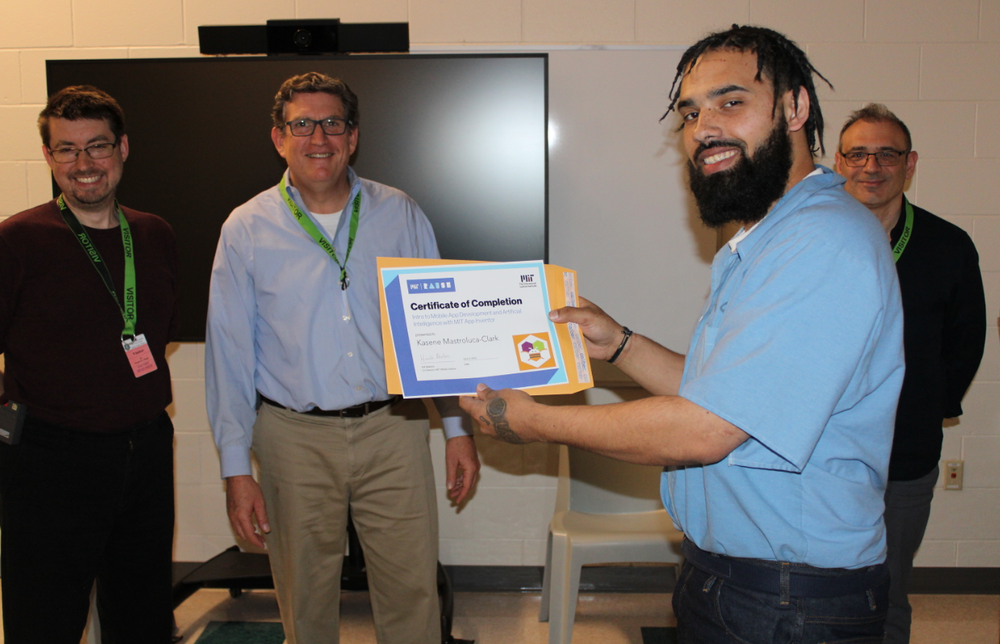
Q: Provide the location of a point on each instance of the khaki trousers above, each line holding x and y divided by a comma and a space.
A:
311, 469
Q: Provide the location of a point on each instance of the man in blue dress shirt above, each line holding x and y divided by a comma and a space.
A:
294, 329
777, 425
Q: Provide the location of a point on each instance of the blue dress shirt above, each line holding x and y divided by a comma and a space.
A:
280, 324
800, 346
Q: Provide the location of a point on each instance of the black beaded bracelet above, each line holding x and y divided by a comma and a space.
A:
627, 333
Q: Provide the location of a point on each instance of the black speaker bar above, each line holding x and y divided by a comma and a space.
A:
305, 37
232, 39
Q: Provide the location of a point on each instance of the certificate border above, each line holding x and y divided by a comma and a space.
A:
414, 388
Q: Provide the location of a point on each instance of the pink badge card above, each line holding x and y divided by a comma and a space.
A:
139, 355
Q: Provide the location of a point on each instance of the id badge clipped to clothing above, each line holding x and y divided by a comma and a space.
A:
139, 356
136, 349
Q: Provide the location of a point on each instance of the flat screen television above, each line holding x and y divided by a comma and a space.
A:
464, 135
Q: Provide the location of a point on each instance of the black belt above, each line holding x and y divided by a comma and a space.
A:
762, 577
357, 411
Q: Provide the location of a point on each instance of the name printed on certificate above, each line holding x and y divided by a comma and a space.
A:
454, 326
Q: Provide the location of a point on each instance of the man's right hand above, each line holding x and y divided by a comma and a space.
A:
653, 366
244, 503
602, 333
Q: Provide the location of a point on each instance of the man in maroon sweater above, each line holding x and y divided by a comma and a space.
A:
88, 294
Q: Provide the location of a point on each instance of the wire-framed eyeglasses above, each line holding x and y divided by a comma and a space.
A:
305, 127
95, 151
859, 158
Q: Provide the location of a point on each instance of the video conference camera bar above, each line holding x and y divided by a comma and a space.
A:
328, 36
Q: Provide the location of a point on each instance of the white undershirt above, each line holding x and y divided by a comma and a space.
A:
329, 221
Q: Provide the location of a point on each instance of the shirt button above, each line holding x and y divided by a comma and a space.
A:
358, 388
350, 354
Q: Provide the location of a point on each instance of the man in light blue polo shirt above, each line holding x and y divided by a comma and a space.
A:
777, 425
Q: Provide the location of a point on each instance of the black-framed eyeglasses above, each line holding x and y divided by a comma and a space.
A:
95, 151
305, 127
859, 158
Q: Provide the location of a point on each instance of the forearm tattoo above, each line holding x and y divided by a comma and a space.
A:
497, 410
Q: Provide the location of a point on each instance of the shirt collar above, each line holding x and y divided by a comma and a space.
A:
779, 206
352, 178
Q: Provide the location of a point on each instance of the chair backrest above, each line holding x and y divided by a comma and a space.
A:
602, 485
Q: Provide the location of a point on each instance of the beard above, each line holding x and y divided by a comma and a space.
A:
746, 191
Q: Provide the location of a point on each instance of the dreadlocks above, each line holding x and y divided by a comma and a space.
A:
778, 59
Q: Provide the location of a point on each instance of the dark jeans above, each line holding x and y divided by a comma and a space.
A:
78, 506
711, 609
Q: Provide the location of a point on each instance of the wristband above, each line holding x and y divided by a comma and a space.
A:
627, 333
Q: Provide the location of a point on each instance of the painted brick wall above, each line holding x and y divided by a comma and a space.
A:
934, 63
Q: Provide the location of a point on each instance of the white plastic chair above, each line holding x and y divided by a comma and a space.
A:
606, 512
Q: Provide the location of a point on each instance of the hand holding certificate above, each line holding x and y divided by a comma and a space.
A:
448, 326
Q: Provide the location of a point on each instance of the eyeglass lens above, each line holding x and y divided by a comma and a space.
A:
882, 157
306, 127
96, 151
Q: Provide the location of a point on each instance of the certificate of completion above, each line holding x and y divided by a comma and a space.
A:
447, 327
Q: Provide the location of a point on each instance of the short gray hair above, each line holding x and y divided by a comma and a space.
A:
877, 113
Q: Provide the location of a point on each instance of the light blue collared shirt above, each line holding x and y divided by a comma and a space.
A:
279, 323
801, 346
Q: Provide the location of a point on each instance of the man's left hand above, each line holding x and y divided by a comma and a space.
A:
497, 413
462, 466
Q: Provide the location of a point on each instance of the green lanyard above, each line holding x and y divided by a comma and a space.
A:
313, 232
904, 238
128, 311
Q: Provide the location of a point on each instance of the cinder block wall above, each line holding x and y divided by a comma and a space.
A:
934, 63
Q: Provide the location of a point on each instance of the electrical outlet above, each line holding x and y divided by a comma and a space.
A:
953, 471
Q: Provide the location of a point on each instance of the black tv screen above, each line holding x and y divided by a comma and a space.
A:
464, 135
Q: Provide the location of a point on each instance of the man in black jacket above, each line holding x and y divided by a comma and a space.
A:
944, 312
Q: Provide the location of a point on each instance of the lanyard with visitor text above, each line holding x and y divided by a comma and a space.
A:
137, 350
313, 232
904, 238
128, 311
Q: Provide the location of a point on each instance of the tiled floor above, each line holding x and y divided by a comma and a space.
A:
492, 618
483, 617
601, 618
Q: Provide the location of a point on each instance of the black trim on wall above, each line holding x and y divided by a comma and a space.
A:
955, 581
660, 579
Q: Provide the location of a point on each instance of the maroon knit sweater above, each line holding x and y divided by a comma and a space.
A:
60, 329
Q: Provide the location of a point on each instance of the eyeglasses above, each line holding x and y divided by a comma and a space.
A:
305, 127
859, 158
95, 151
